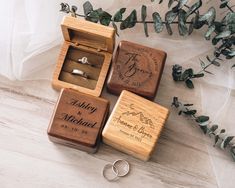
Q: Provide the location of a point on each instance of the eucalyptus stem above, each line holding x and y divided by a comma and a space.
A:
220, 138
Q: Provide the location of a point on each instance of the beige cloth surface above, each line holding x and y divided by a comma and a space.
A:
29, 52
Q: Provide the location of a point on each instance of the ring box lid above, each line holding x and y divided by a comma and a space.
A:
81, 112
86, 33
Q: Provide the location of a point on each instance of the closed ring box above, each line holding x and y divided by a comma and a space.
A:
134, 125
84, 39
78, 120
136, 68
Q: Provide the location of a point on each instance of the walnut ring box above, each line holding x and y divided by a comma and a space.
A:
136, 68
134, 125
84, 39
78, 120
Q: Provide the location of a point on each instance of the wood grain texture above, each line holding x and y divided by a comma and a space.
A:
135, 125
84, 39
28, 159
136, 68
67, 80
88, 33
78, 120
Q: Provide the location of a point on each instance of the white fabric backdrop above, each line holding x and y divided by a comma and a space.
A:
30, 40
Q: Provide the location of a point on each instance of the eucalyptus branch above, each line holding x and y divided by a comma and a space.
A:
221, 33
212, 130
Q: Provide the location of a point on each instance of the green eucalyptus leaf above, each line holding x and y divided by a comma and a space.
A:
213, 129
158, 25
223, 34
190, 112
94, 16
201, 119
204, 129
202, 64
232, 151
204, 123
189, 84
232, 53
194, 8
180, 4
209, 32
198, 75
217, 137
223, 4
183, 30
87, 8
105, 18
209, 16
170, 16
143, 16
118, 15
208, 58
233, 66
170, 3
196, 23
191, 27
226, 141
215, 41
188, 73
216, 63
130, 21
168, 28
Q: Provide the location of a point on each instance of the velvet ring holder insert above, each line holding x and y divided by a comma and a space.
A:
88, 41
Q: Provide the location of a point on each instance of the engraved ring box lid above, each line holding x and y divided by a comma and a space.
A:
136, 68
134, 125
78, 120
84, 39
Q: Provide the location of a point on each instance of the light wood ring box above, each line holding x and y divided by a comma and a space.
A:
84, 39
78, 120
134, 125
136, 68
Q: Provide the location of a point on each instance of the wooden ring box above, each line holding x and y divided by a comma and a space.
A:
84, 39
78, 120
136, 68
134, 125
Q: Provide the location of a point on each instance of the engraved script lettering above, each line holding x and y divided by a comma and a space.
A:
74, 120
82, 104
132, 67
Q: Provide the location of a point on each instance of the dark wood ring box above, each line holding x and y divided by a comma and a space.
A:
78, 120
136, 68
84, 39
